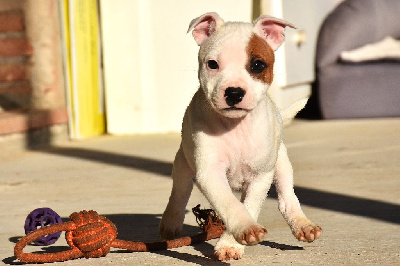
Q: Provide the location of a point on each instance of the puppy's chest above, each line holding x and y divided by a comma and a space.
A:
250, 156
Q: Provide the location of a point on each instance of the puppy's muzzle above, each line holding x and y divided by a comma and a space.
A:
233, 96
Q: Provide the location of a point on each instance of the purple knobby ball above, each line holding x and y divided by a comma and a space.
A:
39, 218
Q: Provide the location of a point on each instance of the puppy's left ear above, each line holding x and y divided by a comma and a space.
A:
272, 30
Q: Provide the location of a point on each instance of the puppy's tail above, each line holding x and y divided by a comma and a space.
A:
289, 113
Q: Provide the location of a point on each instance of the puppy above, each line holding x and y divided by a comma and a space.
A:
231, 136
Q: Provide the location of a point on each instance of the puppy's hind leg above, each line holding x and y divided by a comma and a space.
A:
302, 228
174, 214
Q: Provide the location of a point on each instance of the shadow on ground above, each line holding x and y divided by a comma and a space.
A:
375, 209
128, 161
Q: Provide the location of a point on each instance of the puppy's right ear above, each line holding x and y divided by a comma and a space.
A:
204, 26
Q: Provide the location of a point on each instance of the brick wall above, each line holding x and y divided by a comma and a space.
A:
15, 89
32, 94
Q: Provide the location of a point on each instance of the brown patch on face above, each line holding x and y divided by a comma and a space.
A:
260, 59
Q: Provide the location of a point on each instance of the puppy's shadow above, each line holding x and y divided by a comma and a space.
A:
143, 227
280, 246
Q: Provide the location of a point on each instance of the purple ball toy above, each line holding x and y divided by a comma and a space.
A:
42, 217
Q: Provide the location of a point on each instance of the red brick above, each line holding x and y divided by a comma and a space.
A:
13, 72
15, 47
13, 89
11, 21
20, 121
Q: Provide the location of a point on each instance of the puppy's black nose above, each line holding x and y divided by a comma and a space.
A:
234, 95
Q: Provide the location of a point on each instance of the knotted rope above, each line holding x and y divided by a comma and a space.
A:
91, 236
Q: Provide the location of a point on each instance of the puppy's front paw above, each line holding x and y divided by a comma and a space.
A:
252, 235
228, 248
308, 233
228, 253
305, 230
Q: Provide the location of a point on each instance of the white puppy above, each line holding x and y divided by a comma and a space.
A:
231, 136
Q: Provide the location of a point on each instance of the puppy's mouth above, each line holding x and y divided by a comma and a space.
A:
234, 112
234, 109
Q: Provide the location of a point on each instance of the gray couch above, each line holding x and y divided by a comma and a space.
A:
358, 90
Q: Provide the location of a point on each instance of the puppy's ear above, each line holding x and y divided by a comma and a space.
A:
204, 26
272, 30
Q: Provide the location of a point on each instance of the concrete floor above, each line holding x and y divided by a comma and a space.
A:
347, 176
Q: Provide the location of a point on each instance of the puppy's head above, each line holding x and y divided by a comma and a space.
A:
236, 60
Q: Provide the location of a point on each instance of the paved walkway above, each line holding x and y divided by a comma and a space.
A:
347, 176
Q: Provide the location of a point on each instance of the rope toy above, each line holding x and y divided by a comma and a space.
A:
91, 236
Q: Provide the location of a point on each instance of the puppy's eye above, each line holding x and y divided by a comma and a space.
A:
257, 66
212, 64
